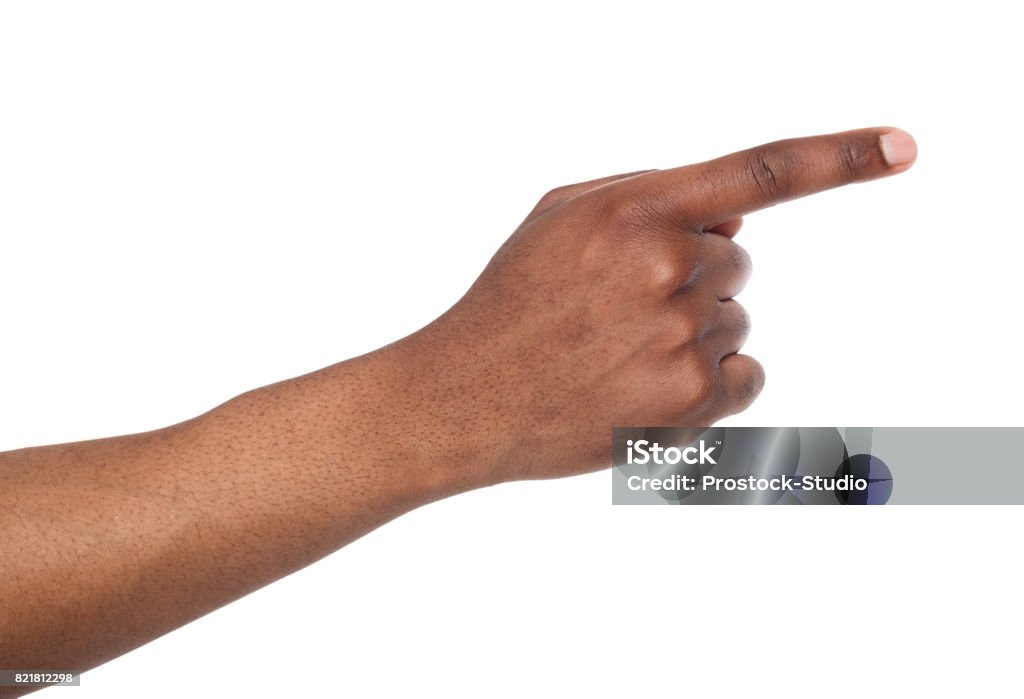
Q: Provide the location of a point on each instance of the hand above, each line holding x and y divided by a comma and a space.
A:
613, 304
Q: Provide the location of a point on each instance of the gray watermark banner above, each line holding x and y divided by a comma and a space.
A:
818, 466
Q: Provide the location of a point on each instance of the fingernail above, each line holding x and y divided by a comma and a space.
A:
898, 147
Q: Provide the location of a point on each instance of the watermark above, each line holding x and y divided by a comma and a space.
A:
39, 678
817, 465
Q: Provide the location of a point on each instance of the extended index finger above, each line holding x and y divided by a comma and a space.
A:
717, 190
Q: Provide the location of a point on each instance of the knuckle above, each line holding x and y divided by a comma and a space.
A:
701, 381
740, 322
666, 275
595, 254
752, 384
688, 328
740, 259
854, 157
704, 388
770, 169
630, 211
553, 196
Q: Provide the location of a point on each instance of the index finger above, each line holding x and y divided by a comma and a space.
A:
717, 190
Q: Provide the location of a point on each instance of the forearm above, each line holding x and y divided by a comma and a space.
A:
108, 544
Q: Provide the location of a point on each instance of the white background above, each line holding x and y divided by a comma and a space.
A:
200, 197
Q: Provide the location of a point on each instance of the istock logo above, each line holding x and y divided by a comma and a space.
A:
642, 452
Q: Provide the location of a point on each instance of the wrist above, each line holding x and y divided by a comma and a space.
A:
392, 415
419, 419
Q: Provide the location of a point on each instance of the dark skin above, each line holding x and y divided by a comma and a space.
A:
611, 304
